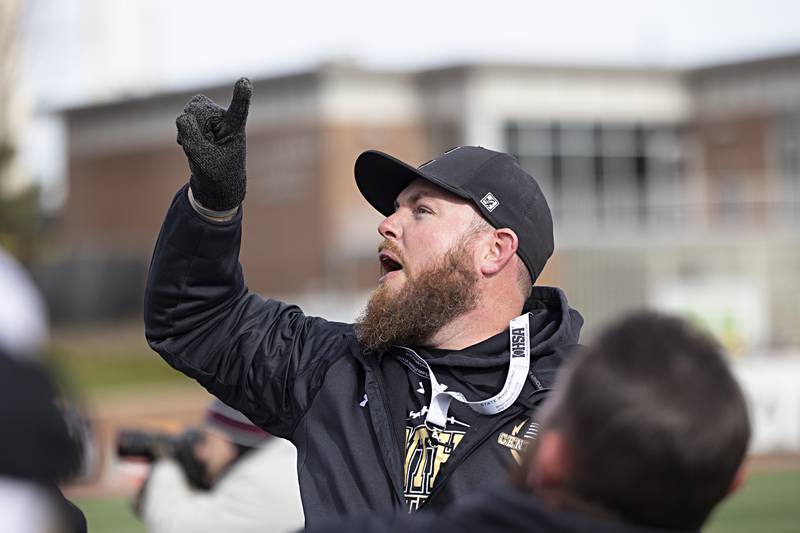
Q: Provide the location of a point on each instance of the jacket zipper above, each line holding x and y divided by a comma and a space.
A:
451, 466
396, 446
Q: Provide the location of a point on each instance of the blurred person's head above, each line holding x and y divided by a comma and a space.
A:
23, 317
40, 442
648, 426
44, 439
227, 436
468, 229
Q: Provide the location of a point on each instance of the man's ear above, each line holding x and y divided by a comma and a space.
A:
552, 465
501, 247
738, 480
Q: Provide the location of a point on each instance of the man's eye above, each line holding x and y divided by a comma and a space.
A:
421, 209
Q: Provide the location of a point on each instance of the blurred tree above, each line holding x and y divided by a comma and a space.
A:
21, 225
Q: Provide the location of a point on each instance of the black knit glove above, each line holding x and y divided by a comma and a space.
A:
214, 142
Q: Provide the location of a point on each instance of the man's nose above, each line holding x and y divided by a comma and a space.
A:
389, 228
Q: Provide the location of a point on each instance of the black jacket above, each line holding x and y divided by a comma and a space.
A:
303, 378
502, 511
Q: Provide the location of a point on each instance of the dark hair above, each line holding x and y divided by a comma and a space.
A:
656, 424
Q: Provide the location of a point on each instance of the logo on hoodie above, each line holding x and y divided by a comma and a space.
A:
517, 442
426, 451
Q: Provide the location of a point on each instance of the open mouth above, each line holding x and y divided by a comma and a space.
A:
389, 264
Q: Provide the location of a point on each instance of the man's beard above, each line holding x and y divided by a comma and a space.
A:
426, 303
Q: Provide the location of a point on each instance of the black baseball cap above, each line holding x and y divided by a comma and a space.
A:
504, 193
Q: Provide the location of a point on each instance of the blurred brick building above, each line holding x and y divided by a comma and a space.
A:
667, 186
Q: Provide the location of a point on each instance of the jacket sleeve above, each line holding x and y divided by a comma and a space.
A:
260, 356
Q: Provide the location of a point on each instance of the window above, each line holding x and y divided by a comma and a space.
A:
603, 175
788, 138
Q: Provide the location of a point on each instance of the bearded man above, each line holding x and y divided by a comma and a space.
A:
431, 393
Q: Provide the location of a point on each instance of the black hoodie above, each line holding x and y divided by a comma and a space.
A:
310, 381
478, 372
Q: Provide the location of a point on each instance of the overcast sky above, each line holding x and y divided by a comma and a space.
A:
79, 50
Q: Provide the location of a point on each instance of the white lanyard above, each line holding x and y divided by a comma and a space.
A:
518, 367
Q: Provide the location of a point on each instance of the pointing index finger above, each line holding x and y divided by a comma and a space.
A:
236, 115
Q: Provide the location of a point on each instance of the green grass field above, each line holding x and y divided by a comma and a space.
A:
94, 372
107, 515
768, 503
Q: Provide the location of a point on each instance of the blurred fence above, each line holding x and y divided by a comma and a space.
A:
770, 385
92, 287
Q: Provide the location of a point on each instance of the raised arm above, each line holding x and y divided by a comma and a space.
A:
262, 357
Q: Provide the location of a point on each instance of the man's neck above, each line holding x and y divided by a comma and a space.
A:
487, 320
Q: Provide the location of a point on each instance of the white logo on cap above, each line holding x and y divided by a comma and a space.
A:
490, 202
